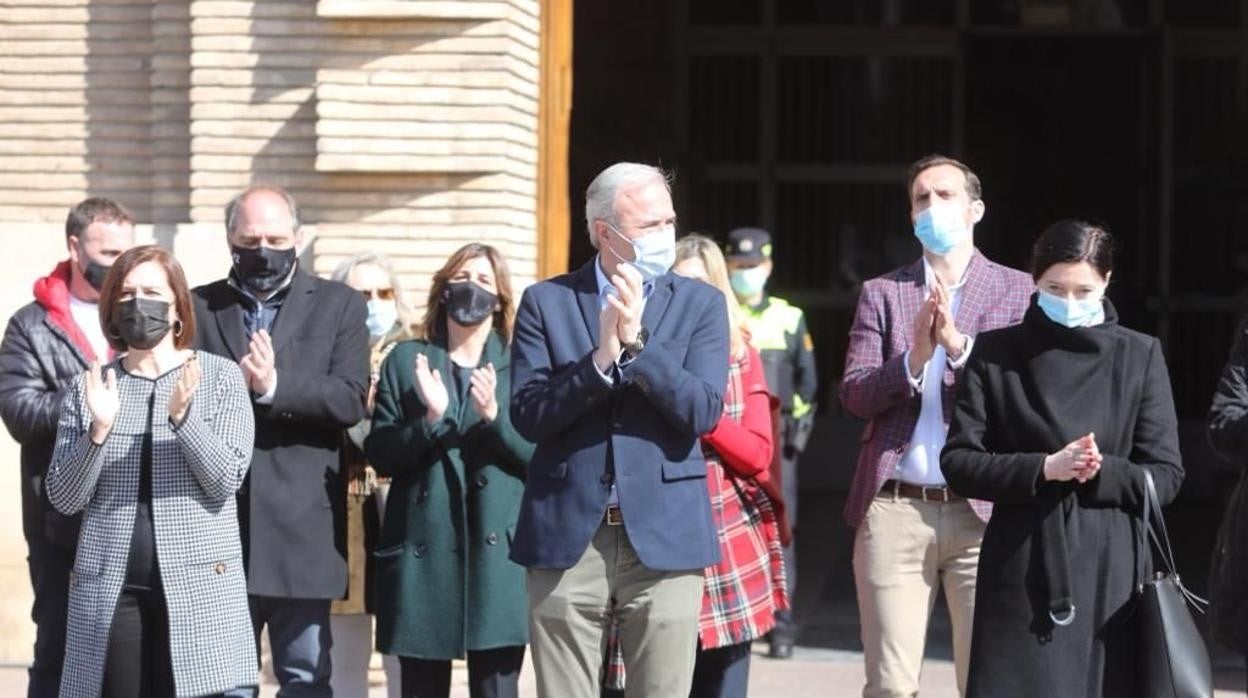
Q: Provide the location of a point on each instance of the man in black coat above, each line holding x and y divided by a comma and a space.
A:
49, 342
303, 347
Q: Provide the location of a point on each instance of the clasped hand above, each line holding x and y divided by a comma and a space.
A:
1080, 460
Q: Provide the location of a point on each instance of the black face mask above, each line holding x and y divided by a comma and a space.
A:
468, 304
95, 272
142, 322
263, 269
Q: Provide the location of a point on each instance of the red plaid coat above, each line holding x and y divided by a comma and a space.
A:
874, 386
743, 592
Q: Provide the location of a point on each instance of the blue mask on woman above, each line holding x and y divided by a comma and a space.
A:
1077, 312
940, 229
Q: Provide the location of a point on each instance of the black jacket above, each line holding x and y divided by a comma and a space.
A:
1228, 433
1028, 391
292, 508
38, 362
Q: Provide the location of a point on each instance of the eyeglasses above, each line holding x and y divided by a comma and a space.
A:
385, 294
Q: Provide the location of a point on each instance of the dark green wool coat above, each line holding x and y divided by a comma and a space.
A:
444, 583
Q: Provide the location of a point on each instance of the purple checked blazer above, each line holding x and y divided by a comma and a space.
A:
874, 386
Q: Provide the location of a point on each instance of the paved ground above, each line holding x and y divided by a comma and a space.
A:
828, 661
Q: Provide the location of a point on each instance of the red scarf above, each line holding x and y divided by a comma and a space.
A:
52, 292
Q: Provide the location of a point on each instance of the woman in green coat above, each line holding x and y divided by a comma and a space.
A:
445, 585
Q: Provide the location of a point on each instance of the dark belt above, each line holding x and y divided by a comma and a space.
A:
614, 517
927, 493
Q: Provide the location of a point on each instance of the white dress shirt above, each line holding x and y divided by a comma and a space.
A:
921, 463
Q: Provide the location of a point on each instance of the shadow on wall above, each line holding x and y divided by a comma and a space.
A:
137, 114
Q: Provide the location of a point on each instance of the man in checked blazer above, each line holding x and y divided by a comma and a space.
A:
913, 332
303, 347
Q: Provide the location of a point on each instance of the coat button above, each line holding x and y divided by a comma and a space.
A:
422, 495
482, 481
420, 550
606, 479
219, 568
492, 539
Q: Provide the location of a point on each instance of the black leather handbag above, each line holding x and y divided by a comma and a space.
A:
1174, 662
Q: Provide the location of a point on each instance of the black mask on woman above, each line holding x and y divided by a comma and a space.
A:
142, 322
263, 269
468, 304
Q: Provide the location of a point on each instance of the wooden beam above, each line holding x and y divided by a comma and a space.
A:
554, 119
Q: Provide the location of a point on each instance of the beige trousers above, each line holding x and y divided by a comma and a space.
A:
570, 613
904, 551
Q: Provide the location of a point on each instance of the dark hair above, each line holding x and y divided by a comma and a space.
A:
1071, 241
973, 187
110, 293
95, 210
435, 314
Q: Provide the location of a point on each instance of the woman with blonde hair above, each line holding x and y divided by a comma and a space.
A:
742, 593
441, 429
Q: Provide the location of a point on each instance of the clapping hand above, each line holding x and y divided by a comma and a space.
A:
627, 302
432, 390
184, 390
103, 401
259, 364
484, 384
944, 332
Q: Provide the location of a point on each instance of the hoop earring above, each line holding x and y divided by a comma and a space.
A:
177, 328
112, 332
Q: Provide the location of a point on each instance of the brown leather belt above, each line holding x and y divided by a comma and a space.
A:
927, 493
614, 517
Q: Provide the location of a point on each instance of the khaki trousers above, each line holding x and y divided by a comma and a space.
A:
904, 551
570, 613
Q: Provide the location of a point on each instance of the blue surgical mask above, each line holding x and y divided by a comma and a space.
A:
941, 228
747, 283
1078, 312
382, 314
653, 253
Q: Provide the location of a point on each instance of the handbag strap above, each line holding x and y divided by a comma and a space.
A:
1155, 525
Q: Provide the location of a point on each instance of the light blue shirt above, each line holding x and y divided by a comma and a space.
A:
605, 287
920, 465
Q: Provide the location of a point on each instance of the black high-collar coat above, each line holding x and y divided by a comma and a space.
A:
1028, 391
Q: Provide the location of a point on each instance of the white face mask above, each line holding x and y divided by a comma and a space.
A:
653, 253
382, 314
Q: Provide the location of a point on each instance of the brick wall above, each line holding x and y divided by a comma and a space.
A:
408, 127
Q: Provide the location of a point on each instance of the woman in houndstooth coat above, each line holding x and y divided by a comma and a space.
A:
153, 449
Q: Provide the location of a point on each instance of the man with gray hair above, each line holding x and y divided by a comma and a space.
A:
618, 368
303, 346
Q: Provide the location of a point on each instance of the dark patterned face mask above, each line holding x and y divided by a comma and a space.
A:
142, 322
468, 304
263, 269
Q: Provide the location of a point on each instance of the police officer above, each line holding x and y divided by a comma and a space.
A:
778, 331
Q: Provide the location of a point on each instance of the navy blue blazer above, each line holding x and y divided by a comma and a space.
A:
642, 433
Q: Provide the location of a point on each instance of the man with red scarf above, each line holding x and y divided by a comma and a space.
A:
47, 345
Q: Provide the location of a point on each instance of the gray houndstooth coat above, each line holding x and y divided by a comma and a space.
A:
196, 470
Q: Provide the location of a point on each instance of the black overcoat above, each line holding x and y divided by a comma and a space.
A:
1028, 391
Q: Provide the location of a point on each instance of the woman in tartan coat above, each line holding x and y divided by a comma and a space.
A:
152, 450
742, 593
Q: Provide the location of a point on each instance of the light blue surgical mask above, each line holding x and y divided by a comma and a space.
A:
1076, 312
653, 253
382, 314
941, 229
747, 283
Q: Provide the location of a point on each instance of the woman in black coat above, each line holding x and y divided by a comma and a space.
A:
1056, 422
